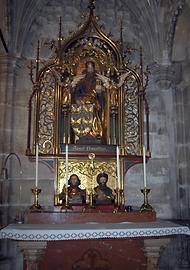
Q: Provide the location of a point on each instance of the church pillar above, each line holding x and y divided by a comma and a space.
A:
182, 120
33, 253
8, 66
162, 134
152, 249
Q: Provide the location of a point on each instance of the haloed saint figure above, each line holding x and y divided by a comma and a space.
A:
87, 100
87, 112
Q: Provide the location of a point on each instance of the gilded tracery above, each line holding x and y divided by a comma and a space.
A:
87, 96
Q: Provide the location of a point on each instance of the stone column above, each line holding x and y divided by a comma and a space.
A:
152, 249
162, 136
32, 252
176, 92
7, 71
8, 66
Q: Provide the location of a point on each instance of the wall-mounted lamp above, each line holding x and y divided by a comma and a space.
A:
4, 170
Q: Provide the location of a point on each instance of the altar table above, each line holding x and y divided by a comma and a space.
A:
91, 230
91, 245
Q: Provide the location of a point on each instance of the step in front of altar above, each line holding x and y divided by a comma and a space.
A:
90, 215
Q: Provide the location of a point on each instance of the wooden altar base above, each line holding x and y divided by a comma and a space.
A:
104, 254
101, 254
88, 216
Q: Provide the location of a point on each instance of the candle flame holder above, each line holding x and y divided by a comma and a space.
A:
36, 191
119, 201
89, 200
66, 206
91, 197
118, 198
145, 206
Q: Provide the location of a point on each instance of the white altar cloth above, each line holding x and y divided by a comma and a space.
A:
53, 232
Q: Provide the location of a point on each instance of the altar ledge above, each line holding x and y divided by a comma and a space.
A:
55, 232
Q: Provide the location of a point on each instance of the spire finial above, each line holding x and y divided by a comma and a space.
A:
60, 27
60, 32
121, 39
141, 65
37, 58
121, 34
91, 6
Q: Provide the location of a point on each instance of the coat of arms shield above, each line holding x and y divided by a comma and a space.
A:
82, 119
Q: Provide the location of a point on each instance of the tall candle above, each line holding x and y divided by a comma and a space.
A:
144, 166
36, 182
118, 169
66, 163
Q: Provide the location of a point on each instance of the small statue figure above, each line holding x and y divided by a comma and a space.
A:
102, 193
76, 195
66, 95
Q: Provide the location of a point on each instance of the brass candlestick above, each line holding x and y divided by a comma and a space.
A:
120, 199
91, 199
119, 203
36, 191
116, 201
145, 206
66, 206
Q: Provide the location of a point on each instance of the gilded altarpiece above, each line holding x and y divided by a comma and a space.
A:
87, 96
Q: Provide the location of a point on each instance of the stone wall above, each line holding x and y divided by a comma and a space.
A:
144, 24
